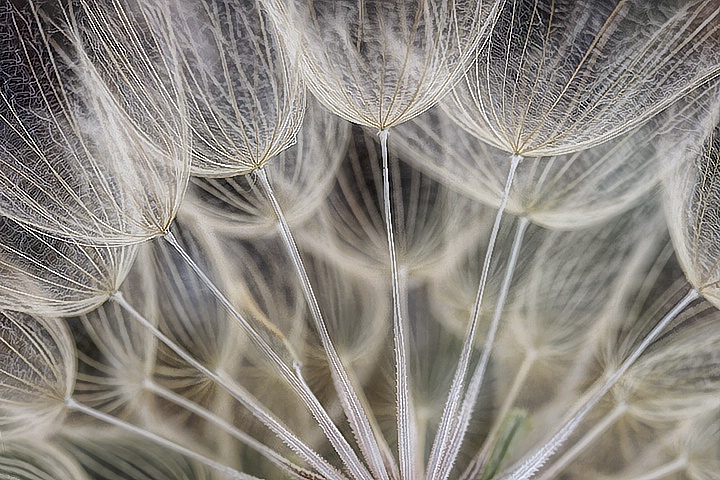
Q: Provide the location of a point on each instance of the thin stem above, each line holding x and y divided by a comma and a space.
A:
387, 454
473, 391
402, 387
414, 446
240, 394
283, 463
535, 461
294, 379
351, 404
74, 405
677, 465
473, 470
592, 435
448, 421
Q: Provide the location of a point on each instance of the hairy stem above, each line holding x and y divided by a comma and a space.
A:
280, 461
536, 460
592, 435
351, 404
240, 394
403, 402
76, 406
448, 422
473, 391
294, 379
415, 449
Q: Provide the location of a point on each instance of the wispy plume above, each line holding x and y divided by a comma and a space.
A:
206, 271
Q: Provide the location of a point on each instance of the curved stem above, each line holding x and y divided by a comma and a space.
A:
237, 392
74, 405
351, 404
593, 434
448, 422
280, 461
536, 460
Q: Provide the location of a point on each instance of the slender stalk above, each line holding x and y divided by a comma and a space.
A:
414, 446
458, 432
74, 405
280, 461
473, 470
402, 387
677, 465
387, 454
351, 404
294, 378
448, 421
240, 394
536, 460
592, 435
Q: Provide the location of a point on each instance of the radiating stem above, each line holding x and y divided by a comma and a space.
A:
473, 391
287, 466
74, 405
536, 460
402, 387
448, 422
592, 435
240, 394
351, 404
294, 379
387, 453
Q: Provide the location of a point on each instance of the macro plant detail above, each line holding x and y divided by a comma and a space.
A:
359, 239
